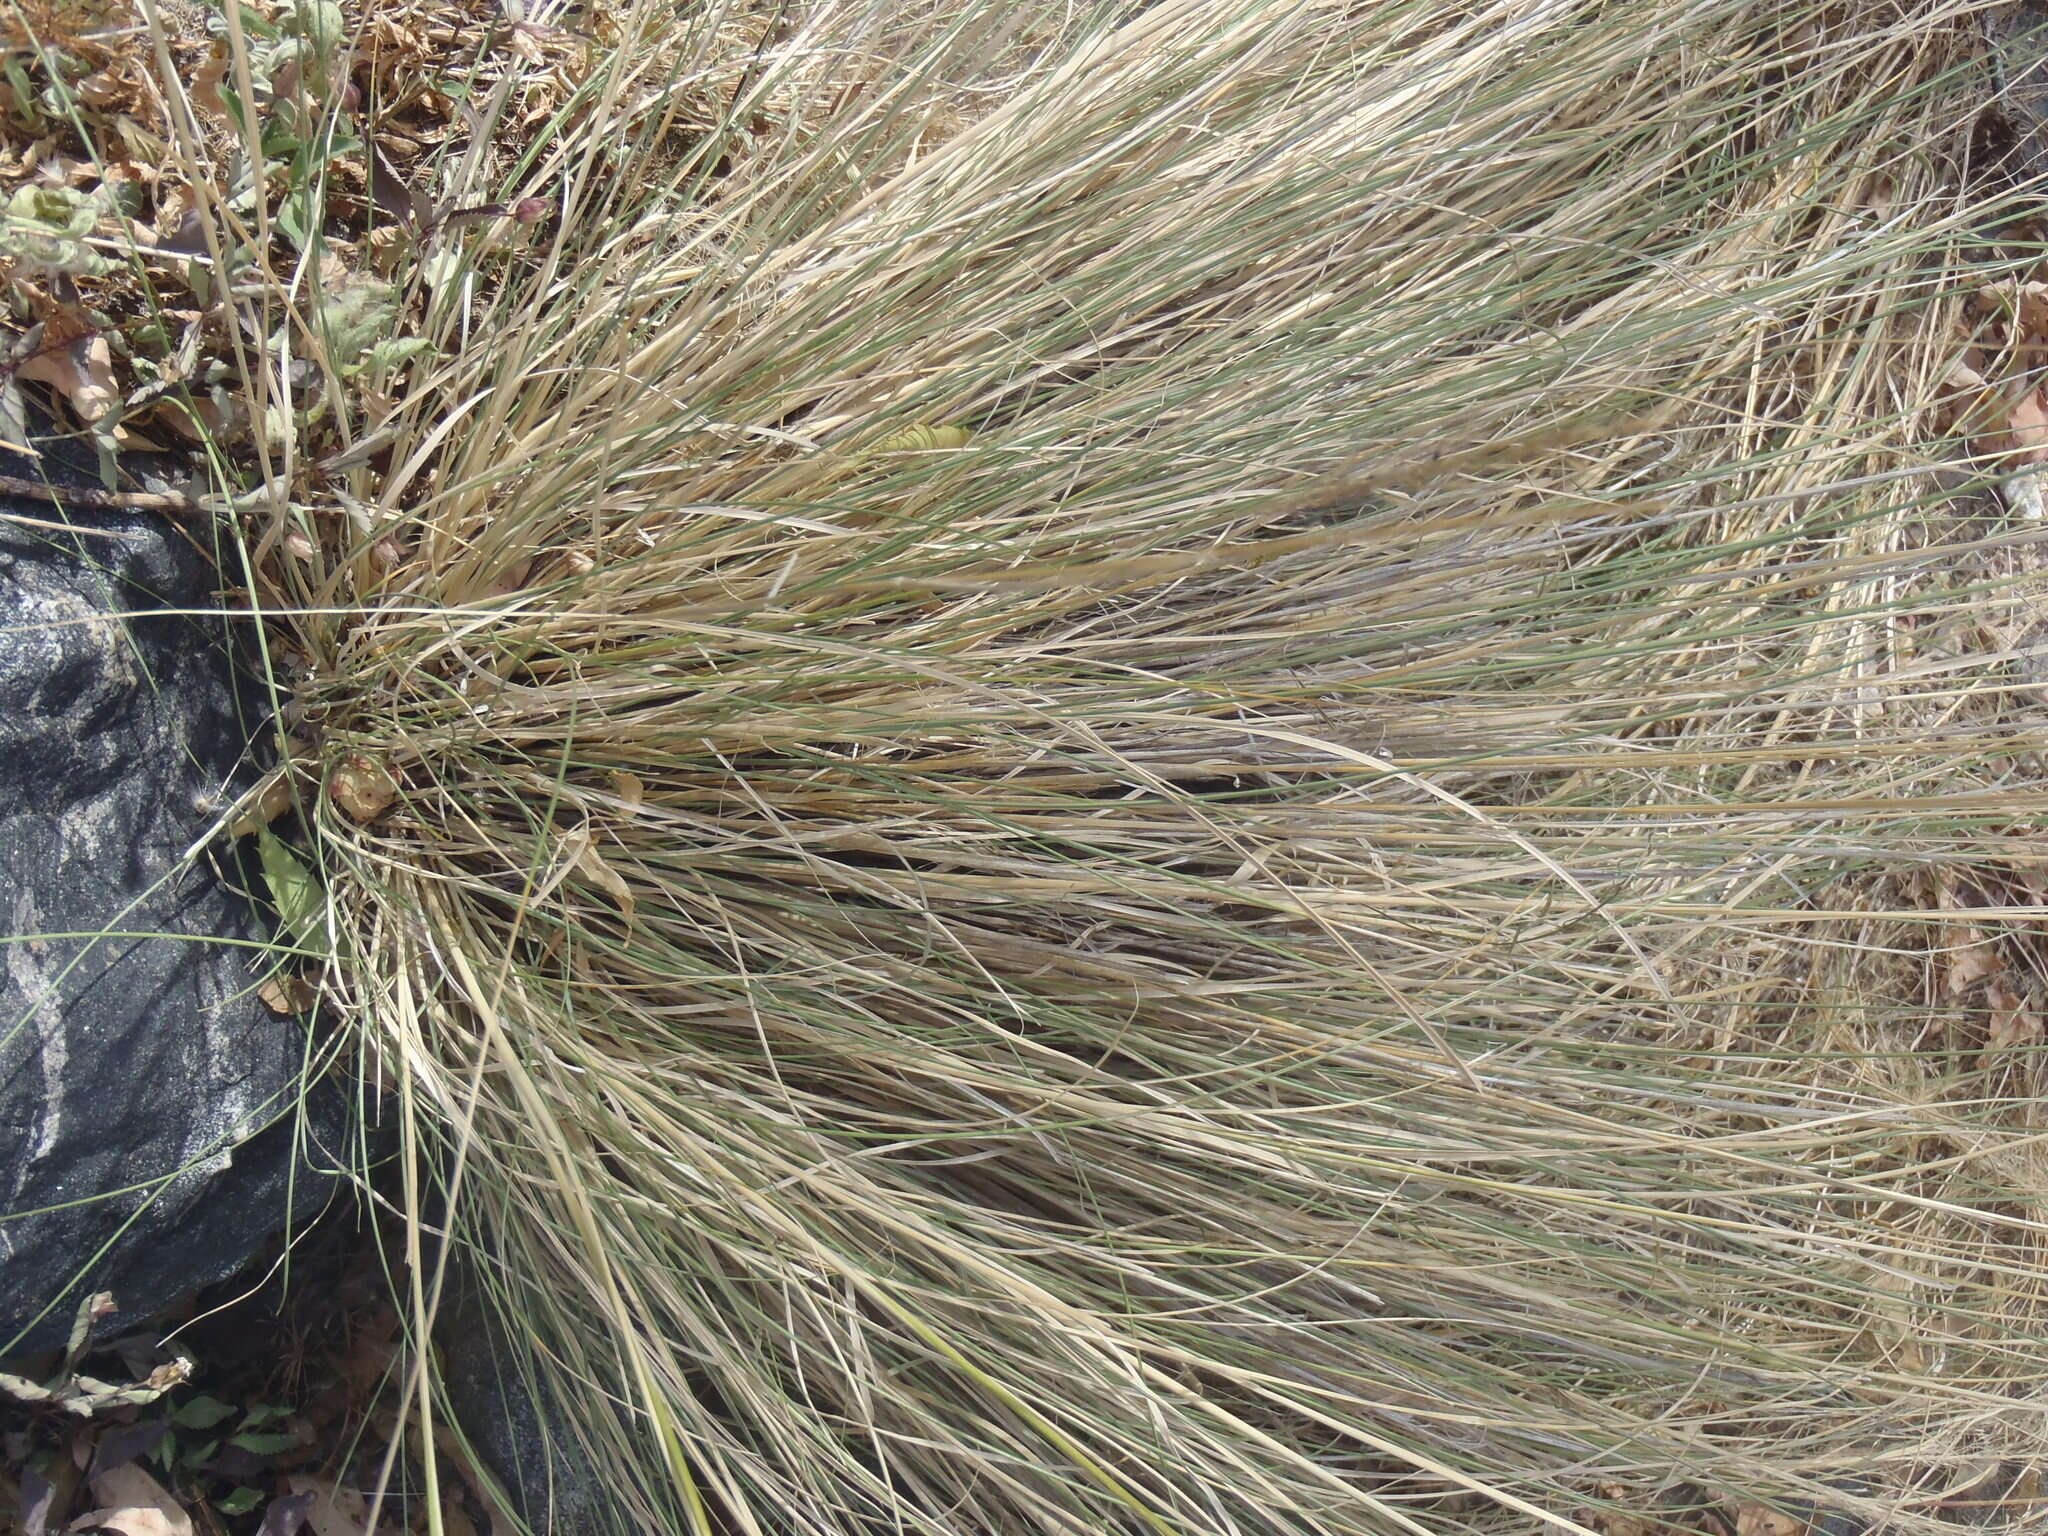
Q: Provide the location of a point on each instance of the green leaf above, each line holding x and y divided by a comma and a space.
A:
240, 1502
202, 1413
25, 94
264, 1445
391, 352
298, 215
238, 111
49, 225
280, 141
319, 22
296, 892
442, 269
263, 1413
90, 1310
253, 21
354, 319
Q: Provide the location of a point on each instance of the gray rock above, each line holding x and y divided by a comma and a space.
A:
513, 1423
2016, 47
148, 1098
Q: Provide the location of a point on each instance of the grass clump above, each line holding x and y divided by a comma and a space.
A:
1189, 768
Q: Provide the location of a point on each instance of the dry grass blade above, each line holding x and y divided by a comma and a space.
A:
932, 961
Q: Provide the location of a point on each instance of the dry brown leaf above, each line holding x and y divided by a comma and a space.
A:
206, 83
629, 787
2012, 1022
1760, 1520
135, 1504
1973, 406
1973, 962
1613, 1523
2028, 423
335, 1511
82, 371
362, 787
583, 850
497, 1521
524, 42
271, 802
170, 1374
288, 993
2030, 306
198, 419
2026, 1488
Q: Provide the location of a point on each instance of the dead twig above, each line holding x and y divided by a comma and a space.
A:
174, 502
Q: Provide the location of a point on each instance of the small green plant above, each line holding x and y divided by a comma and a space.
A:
46, 228
200, 1429
296, 126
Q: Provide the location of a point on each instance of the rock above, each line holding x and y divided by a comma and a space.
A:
513, 1423
2016, 47
147, 1097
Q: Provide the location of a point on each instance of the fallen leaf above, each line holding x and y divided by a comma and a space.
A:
362, 787
524, 42
271, 802
600, 874
389, 191
2030, 305
134, 1504
102, 90
285, 1514
2012, 1022
289, 993
82, 371
331, 1511
1612, 1522
38, 1493
121, 1444
1974, 407
1969, 965
1761, 1520
2027, 421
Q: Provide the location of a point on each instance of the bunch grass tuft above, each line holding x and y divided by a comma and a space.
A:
1189, 768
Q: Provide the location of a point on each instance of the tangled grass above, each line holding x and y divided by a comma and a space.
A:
1331, 924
